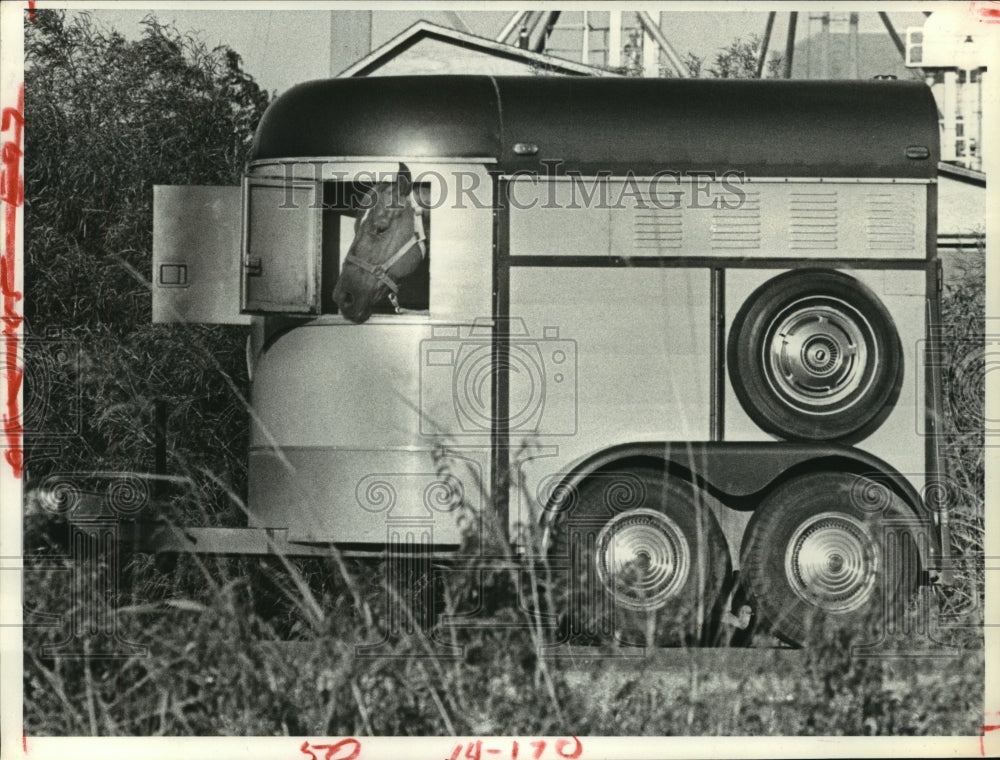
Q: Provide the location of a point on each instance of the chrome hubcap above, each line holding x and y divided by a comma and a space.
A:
643, 559
817, 354
832, 562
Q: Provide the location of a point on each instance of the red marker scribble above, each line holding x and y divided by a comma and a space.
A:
345, 749
986, 13
12, 197
24, 744
982, 737
31, 11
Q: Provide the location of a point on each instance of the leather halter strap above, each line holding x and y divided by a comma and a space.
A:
381, 271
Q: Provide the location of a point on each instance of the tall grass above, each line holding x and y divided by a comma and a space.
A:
965, 359
217, 665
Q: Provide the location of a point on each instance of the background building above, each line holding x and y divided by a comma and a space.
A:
951, 57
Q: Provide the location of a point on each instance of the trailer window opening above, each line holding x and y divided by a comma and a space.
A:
344, 202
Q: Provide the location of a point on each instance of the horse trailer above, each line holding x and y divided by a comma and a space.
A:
674, 336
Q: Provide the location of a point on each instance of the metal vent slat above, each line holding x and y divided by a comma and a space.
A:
890, 222
737, 228
813, 220
657, 229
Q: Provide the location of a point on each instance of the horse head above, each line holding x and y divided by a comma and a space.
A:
388, 246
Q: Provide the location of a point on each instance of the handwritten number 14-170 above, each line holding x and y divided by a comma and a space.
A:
570, 749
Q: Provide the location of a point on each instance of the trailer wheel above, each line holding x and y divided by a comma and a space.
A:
640, 560
814, 356
819, 555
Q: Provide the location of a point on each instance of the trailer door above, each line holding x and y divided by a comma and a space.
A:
196, 255
282, 246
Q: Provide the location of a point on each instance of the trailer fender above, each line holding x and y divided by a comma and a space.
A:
739, 474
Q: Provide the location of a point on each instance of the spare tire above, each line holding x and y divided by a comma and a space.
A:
813, 355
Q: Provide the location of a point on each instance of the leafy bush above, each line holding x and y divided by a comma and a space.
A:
108, 119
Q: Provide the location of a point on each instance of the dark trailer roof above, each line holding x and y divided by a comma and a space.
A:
616, 125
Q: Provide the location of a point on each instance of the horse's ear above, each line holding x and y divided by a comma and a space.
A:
404, 181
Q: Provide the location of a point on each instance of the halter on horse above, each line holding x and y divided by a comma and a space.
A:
389, 245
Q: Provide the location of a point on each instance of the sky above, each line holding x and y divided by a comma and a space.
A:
283, 47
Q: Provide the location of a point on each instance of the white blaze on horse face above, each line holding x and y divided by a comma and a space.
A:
360, 222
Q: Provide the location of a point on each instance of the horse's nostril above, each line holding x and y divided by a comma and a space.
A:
346, 299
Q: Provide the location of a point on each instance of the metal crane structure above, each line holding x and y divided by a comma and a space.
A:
826, 67
630, 42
